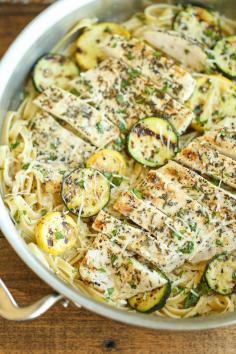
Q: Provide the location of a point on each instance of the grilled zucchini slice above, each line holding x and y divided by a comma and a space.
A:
54, 70
198, 23
214, 98
153, 141
109, 161
85, 192
151, 301
56, 233
225, 56
89, 53
221, 274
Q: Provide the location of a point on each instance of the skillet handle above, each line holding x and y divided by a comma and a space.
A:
10, 310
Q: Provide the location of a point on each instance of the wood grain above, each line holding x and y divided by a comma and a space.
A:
73, 330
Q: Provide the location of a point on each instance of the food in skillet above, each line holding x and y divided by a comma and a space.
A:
118, 168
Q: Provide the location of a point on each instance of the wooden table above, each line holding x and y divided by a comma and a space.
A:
73, 330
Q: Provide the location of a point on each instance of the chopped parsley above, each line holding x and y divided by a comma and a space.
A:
100, 127
117, 181
122, 127
113, 259
137, 193
114, 232
14, 145
107, 174
102, 270
73, 91
157, 54
219, 243
124, 84
133, 73
187, 248
59, 235
110, 291
80, 183
120, 99
25, 166
150, 90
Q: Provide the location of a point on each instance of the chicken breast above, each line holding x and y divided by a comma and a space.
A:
49, 174
174, 202
219, 201
220, 204
186, 51
222, 140
85, 119
133, 239
161, 70
172, 234
55, 143
228, 122
201, 157
124, 96
115, 272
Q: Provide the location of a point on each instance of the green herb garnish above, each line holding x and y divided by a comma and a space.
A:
14, 145
138, 193
59, 235
187, 248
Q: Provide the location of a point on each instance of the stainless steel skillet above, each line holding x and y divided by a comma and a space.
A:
37, 38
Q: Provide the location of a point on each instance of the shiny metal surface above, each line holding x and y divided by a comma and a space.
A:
37, 38
10, 310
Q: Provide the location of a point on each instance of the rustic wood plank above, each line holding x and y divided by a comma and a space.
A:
13, 18
74, 330
70, 330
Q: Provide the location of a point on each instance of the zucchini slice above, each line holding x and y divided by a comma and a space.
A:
56, 233
225, 56
85, 192
89, 53
198, 23
151, 301
54, 70
221, 274
214, 98
109, 161
153, 141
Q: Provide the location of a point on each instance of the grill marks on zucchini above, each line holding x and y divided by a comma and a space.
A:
152, 141
151, 301
225, 56
199, 24
85, 192
54, 69
221, 274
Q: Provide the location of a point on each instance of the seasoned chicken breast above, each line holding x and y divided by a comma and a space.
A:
161, 70
86, 120
115, 272
55, 143
170, 198
124, 95
201, 157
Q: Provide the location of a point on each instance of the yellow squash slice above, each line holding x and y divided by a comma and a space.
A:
214, 98
106, 160
89, 53
56, 233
